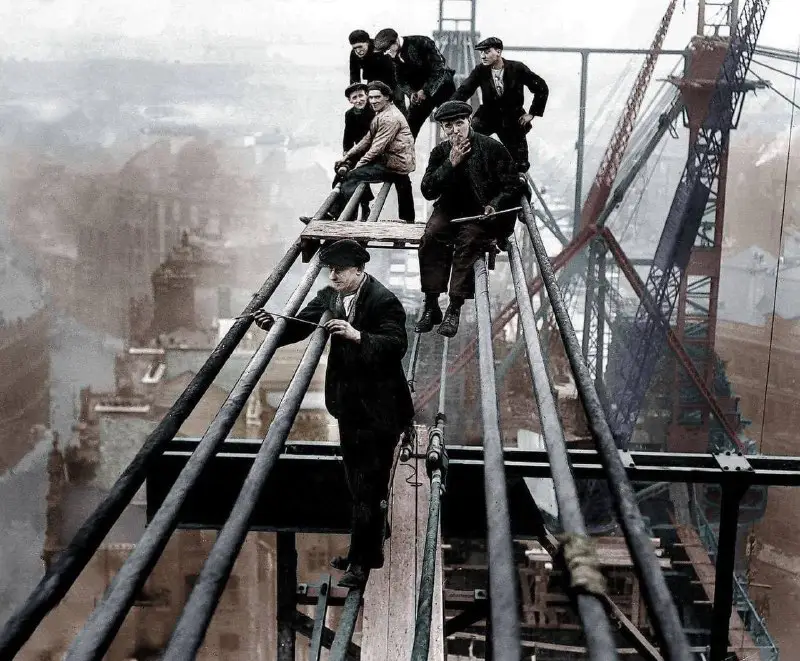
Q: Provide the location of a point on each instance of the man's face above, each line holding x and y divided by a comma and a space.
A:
456, 129
377, 100
360, 48
393, 49
490, 56
358, 99
345, 279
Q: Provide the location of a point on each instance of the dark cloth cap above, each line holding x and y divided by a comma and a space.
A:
359, 37
452, 110
382, 87
354, 88
490, 42
384, 39
344, 252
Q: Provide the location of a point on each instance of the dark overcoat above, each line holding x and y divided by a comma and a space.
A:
373, 66
489, 170
365, 384
509, 107
420, 66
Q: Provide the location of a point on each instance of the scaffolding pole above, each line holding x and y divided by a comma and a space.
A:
196, 616
93, 641
663, 612
504, 619
68, 565
435, 463
599, 638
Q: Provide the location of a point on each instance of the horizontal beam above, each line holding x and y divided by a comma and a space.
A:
590, 51
689, 467
307, 491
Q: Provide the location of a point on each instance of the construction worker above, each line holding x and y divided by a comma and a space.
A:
356, 125
366, 65
422, 73
502, 83
386, 153
365, 390
469, 174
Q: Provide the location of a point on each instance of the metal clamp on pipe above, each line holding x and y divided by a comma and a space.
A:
436, 455
408, 443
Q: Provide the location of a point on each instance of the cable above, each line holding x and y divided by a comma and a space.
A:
783, 96
780, 245
775, 69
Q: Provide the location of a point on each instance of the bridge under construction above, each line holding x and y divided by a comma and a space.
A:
590, 567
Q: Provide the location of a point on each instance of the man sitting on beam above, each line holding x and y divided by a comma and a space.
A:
385, 153
468, 175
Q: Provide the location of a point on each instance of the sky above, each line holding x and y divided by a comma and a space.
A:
44, 29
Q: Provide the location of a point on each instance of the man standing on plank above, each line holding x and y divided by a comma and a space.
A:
365, 390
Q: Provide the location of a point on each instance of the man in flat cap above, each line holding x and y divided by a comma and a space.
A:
385, 153
502, 83
365, 390
367, 64
470, 174
422, 73
356, 125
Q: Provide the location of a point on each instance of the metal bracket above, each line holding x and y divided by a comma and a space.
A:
627, 459
732, 462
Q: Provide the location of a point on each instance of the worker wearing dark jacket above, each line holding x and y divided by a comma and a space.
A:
422, 73
365, 390
470, 174
357, 120
367, 64
502, 83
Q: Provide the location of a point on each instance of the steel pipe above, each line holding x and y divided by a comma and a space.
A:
596, 627
71, 561
379, 202
347, 624
663, 612
427, 579
351, 208
93, 641
196, 616
502, 575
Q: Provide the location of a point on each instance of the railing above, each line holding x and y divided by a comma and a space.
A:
753, 622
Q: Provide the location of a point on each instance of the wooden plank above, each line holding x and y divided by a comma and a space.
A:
390, 599
390, 231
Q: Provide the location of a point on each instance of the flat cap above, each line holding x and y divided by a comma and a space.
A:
452, 110
384, 39
358, 37
355, 87
490, 42
381, 87
344, 252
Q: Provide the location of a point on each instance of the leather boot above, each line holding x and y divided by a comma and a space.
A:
449, 326
431, 316
355, 577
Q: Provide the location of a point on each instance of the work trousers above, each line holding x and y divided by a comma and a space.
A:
449, 250
376, 173
509, 132
367, 454
418, 113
